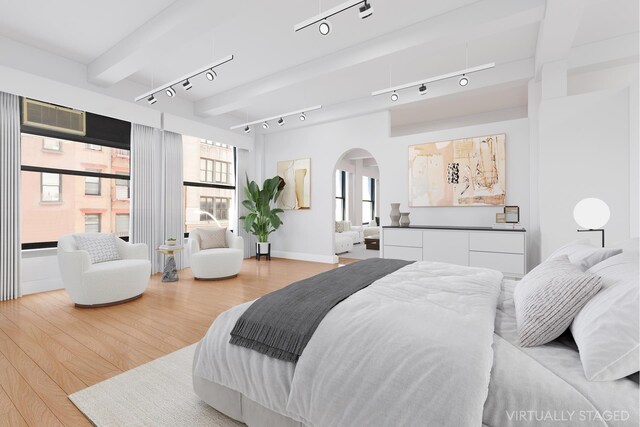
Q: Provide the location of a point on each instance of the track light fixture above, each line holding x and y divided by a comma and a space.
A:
247, 129
365, 10
302, 115
185, 81
422, 84
324, 28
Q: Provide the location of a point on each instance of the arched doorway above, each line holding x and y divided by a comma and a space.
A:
356, 233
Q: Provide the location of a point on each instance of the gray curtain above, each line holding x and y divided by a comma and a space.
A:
9, 196
156, 190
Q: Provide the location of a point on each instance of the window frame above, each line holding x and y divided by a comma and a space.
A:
228, 186
99, 216
343, 199
42, 188
99, 193
372, 182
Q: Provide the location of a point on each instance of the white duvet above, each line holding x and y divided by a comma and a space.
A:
412, 349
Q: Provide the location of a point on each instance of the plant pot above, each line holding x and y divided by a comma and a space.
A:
170, 242
263, 249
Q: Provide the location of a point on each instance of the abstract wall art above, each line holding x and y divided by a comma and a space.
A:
297, 177
460, 172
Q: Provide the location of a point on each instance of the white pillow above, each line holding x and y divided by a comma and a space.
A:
548, 298
101, 247
583, 253
606, 329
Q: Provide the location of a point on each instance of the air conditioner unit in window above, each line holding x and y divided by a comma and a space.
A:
48, 116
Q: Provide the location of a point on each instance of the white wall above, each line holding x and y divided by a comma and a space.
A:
326, 143
584, 152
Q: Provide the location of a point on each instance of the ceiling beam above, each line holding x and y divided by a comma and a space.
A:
557, 31
167, 31
476, 20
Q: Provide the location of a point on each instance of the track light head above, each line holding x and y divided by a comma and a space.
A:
170, 91
187, 85
265, 125
463, 81
281, 121
247, 129
303, 117
152, 100
211, 75
423, 89
365, 10
324, 27
394, 96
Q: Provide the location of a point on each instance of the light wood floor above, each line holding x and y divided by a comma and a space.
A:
50, 349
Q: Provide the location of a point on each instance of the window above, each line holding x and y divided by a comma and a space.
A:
341, 193
92, 185
50, 187
122, 224
368, 199
51, 144
76, 190
94, 147
209, 174
92, 223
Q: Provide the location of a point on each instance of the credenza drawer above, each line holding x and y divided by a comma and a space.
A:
507, 242
403, 252
412, 238
507, 263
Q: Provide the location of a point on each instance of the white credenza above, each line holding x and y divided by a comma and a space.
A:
502, 250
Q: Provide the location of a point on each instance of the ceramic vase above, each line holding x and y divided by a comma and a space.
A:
404, 219
395, 214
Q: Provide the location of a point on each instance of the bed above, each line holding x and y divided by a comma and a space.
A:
386, 367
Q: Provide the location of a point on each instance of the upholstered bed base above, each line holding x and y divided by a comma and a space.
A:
235, 405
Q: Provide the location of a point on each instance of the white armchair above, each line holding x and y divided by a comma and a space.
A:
217, 263
104, 283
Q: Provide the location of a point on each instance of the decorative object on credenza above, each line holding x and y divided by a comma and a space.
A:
501, 218
592, 215
512, 214
170, 241
404, 219
297, 177
395, 214
262, 219
460, 172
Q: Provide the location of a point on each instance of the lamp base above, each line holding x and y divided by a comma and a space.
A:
593, 229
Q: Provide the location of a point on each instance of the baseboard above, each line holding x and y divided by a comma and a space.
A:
35, 286
301, 256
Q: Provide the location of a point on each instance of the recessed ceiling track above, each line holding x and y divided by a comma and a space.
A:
463, 81
325, 28
184, 81
265, 121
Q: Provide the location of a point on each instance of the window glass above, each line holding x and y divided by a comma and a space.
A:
122, 224
51, 144
92, 223
207, 206
51, 191
92, 186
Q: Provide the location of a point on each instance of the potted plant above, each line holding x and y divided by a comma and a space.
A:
262, 218
171, 241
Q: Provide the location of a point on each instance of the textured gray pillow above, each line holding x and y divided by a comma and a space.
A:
549, 297
212, 238
101, 247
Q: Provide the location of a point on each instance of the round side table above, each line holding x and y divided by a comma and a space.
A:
170, 273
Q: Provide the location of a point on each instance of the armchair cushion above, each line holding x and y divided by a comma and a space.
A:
100, 247
211, 238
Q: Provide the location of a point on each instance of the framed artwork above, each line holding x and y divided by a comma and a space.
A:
297, 190
512, 214
460, 172
501, 218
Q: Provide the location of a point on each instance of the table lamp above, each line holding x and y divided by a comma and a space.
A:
592, 215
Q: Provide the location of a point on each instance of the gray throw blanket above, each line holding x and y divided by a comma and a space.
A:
280, 324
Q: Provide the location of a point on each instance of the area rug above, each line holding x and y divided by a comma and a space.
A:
158, 393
